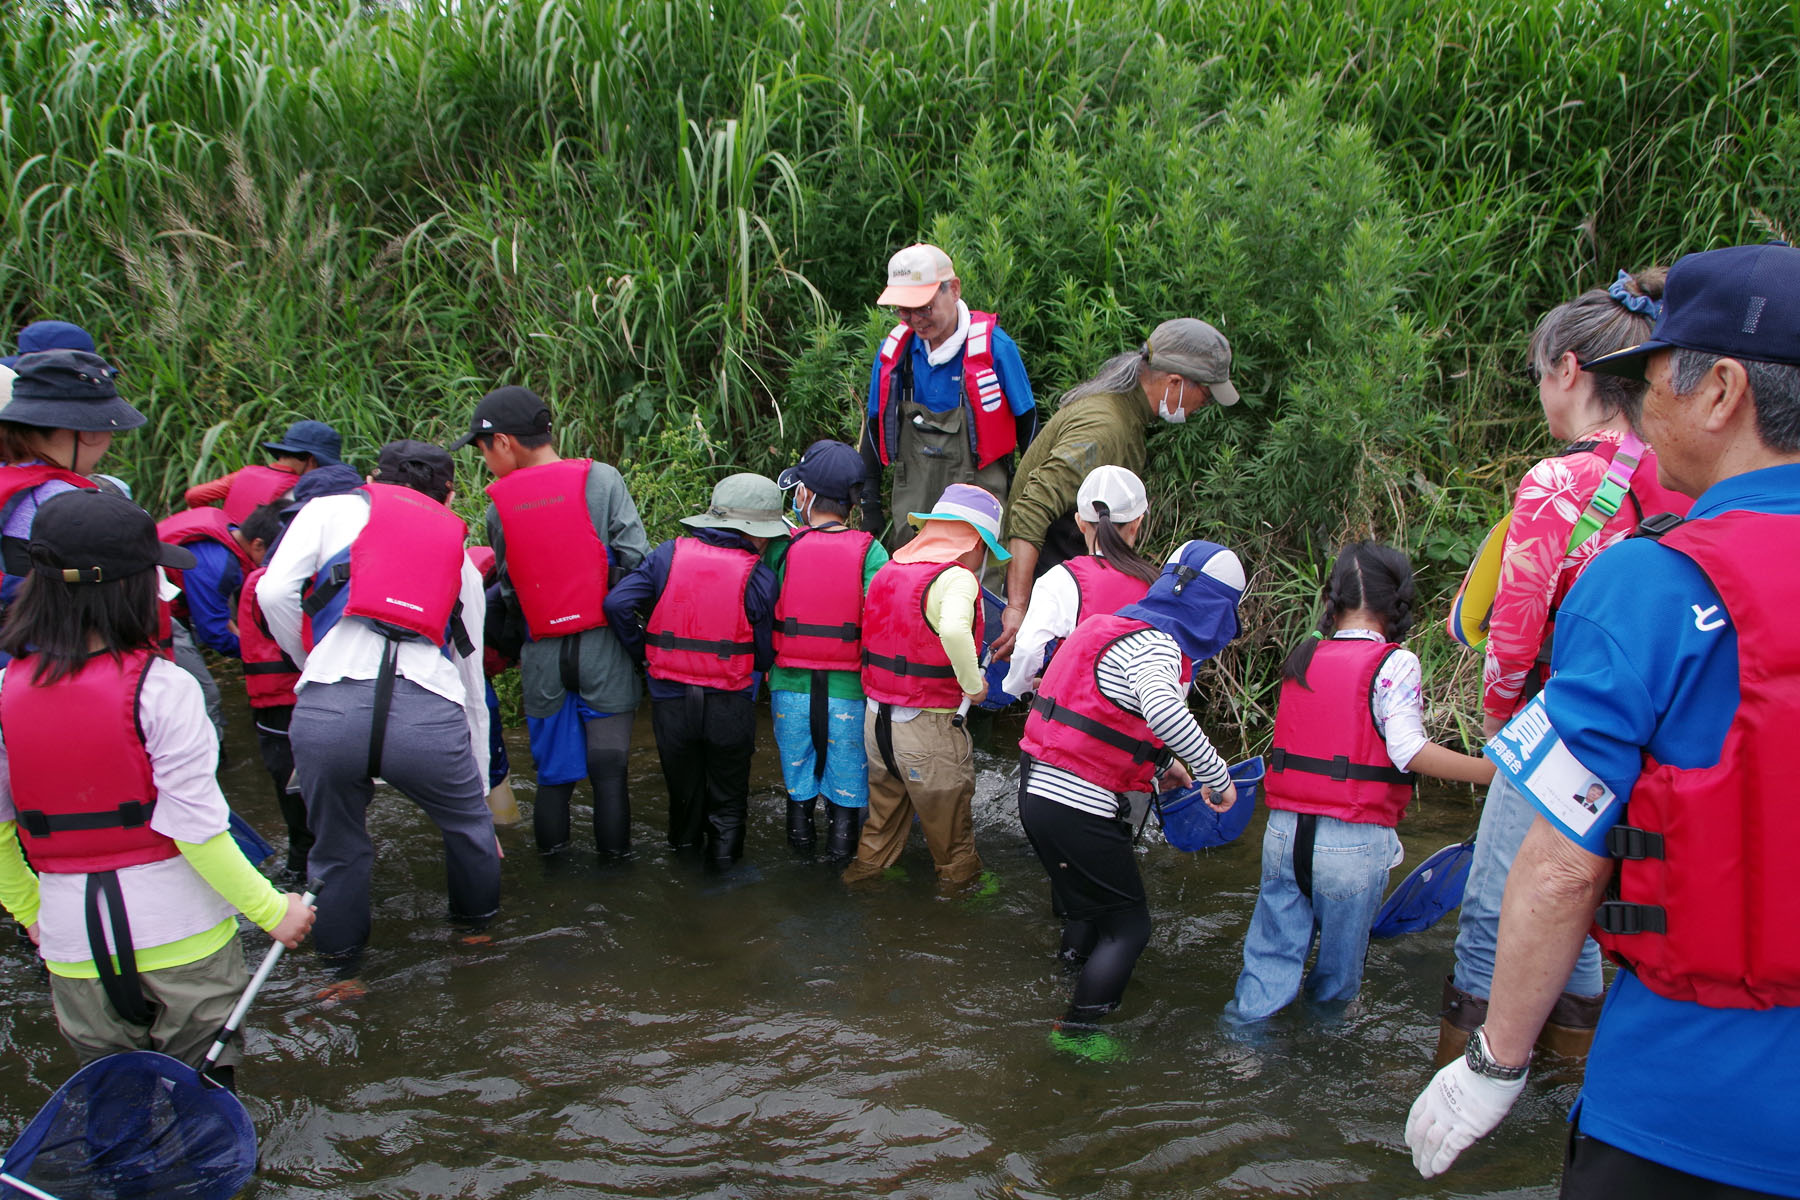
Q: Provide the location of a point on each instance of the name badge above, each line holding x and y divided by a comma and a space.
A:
1529, 752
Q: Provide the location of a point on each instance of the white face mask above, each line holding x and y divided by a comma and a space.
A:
1178, 414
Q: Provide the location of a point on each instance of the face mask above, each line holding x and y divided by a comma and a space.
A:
799, 515
1178, 414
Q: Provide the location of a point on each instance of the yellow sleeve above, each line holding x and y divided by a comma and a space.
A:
18, 886
219, 861
950, 607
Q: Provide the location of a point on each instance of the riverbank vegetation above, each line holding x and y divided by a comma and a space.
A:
670, 218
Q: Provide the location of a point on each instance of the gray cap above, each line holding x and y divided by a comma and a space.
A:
1195, 351
745, 502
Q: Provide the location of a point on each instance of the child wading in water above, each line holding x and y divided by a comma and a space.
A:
107, 770
1349, 740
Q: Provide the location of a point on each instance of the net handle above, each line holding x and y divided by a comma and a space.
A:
249, 997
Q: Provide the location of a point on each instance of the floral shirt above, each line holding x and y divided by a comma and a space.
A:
1537, 568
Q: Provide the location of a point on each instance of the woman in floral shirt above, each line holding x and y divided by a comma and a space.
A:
1538, 567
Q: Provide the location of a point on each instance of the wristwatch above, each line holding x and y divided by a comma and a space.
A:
1479, 1062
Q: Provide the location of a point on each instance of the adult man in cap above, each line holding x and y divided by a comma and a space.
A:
700, 609
562, 531
1184, 365
822, 570
949, 400
1675, 681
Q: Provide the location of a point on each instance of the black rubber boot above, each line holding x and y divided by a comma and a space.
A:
801, 835
842, 832
1458, 1019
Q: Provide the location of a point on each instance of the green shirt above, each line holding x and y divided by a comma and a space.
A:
840, 685
1100, 430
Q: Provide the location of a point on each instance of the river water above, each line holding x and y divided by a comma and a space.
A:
645, 1030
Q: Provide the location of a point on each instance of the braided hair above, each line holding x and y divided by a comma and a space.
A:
1366, 575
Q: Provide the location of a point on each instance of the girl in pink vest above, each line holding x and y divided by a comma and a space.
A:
1349, 740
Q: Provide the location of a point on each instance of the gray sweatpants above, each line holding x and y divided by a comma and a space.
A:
427, 757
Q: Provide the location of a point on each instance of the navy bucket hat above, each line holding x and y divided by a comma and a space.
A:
310, 437
68, 389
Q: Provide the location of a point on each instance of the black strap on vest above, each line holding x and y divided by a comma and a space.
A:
1339, 768
721, 647
819, 718
122, 986
390, 664
899, 664
1631, 844
1141, 751
1618, 916
568, 664
1306, 827
849, 631
284, 667
1655, 527
884, 736
129, 815
324, 591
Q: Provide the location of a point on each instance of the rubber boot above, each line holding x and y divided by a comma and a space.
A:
1569, 1031
843, 830
1459, 1018
801, 835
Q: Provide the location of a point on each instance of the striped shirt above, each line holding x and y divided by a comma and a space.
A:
1141, 672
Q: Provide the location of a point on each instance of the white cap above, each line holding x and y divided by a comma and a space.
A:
915, 274
1120, 490
1222, 566
6, 378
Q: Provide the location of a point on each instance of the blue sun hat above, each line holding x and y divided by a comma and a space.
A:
1195, 599
50, 335
974, 506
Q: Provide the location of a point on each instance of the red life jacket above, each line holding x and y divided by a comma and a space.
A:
76, 759
993, 433
555, 559
254, 486
903, 658
269, 674
698, 631
1075, 726
1102, 589
1704, 907
818, 616
403, 571
192, 525
1328, 758
15, 483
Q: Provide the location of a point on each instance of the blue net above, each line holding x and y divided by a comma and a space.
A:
1190, 825
1433, 889
135, 1125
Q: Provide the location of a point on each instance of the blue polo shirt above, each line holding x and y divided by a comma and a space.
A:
1643, 663
211, 586
941, 388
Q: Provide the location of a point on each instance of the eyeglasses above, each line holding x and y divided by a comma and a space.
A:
904, 311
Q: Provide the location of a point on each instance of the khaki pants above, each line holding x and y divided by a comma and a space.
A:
190, 1002
937, 781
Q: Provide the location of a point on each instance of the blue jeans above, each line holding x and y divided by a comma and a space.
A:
1350, 871
1505, 818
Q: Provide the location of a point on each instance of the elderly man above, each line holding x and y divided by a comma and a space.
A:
1676, 681
1184, 365
949, 401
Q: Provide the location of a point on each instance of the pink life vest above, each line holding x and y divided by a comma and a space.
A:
993, 432
192, 525
818, 616
1328, 758
903, 658
16, 479
555, 559
1703, 908
403, 571
81, 778
1075, 726
254, 486
698, 631
1102, 589
269, 674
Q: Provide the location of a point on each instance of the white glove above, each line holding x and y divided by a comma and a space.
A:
1455, 1108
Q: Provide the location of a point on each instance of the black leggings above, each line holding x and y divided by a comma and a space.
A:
608, 753
1107, 948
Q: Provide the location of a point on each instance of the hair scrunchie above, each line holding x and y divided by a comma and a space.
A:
1632, 300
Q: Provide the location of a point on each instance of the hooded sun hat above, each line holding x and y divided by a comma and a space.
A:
1119, 489
973, 506
68, 389
1195, 599
310, 437
915, 274
1195, 351
1739, 302
746, 502
50, 335
97, 537
829, 469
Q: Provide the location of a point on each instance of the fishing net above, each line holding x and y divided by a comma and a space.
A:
1433, 889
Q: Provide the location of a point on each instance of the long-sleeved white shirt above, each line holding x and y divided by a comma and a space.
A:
353, 648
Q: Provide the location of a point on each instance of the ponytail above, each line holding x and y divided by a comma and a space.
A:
1112, 548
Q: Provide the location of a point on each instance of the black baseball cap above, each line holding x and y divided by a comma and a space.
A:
515, 411
421, 466
97, 537
1738, 302
829, 469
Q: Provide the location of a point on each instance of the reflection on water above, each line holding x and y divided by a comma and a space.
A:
646, 1030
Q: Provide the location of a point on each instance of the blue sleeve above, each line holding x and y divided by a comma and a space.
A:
874, 386
630, 600
209, 586
1011, 369
759, 606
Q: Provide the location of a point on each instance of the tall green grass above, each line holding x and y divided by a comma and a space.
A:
670, 218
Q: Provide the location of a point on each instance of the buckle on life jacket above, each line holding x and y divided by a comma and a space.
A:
1620, 917
1628, 841
1658, 525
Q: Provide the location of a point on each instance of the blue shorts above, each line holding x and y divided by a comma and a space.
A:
559, 742
846, 778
